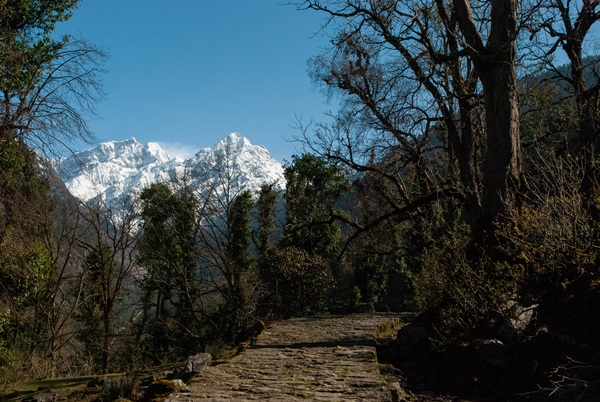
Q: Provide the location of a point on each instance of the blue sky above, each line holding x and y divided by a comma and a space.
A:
186, 73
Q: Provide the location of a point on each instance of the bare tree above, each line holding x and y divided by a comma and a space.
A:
568, 26
419, 68
109, 261
64, 289
55, 113
225, 204
48, 85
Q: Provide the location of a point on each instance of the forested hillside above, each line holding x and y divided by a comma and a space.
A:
459, 180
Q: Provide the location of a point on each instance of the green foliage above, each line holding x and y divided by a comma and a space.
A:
168, 250
372, 278
25, 275
238, 267
8, 360
460, 295
168, 243
298, 283
265, 218
27, 50
241, 234
313, 191
48, 83
96, 311
38, 15
25, 268
26, 43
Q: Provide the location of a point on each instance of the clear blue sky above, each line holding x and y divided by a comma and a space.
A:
189, 72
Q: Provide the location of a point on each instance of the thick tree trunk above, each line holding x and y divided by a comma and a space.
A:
495, 64
503, 168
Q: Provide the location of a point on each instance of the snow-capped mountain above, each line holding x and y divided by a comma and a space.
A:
118, 169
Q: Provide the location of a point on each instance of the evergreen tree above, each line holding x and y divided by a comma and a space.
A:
266, 220
108, 244
239, 221
25, 267
168, 250
95, 313
314, 190
237, 265
47, 86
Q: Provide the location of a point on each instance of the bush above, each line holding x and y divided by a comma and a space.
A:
460, 295
123, 388
297, 282
553, 235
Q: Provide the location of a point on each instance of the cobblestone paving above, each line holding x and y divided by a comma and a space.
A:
329, 358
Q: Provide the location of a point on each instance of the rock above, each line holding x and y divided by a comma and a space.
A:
525, 315
491, 351
177, 383
398, 393
195, 364
520, 319
41, 397
321, 358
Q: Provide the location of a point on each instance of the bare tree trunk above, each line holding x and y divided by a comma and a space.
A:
503, 163
495, 63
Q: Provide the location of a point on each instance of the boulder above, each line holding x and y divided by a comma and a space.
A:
197, 363
519, 319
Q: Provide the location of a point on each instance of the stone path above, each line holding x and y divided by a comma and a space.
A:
330, 358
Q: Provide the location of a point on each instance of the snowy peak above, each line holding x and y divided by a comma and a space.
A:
236, 159
117, 169
128, 154
235, 140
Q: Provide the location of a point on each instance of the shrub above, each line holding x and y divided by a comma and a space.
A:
458, 294
553, 235
297, 283
122, 388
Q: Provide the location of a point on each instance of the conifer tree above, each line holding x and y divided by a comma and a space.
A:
168, 250
314, 189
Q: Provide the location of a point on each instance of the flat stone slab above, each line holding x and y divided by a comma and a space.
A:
324, 358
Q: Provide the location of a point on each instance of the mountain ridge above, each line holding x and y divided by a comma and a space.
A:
114, 170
